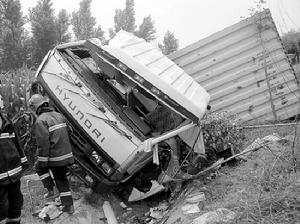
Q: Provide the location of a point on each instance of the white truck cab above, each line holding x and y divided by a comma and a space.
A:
124, 102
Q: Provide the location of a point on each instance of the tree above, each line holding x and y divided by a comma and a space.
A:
146, 29
62, 25
11, 34
291, 38
125, 19
170, 43
111, 33
43, 29
84, 23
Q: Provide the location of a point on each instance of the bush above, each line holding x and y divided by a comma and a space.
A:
221, 131
14, 86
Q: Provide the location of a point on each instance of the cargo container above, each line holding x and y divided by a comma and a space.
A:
246, 70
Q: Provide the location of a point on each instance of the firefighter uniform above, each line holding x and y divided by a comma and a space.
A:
12, 162
54, 152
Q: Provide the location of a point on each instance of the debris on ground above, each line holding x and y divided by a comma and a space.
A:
123, 205
190, 208
221, 215
158, 212
109, 213
196, 197
49, 212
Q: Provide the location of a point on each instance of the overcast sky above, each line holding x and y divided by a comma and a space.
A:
190, 20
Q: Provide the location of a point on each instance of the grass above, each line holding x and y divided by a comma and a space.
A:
263, 189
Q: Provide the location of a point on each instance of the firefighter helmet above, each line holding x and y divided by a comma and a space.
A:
36, 101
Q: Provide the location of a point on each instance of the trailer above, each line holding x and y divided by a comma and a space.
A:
246, 70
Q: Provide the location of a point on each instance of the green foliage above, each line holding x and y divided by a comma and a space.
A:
291, 38
170, 43
62, 25
111, 33
11, 35
146, 29
43, 29
13, 88
82, 20
221, 131
99, 33
84, 23
125, 19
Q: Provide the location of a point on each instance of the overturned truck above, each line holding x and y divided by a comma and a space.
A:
129, 106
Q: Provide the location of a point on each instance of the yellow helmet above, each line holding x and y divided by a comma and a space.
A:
36, 101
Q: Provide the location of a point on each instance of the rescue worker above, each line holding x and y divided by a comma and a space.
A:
54, 150
12, 162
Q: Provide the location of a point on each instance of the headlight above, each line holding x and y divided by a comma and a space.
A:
101, 163
106, 168
96, 157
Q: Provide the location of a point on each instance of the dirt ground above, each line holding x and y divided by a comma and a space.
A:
263, 189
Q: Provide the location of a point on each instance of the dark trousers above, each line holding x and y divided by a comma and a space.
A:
61, 182
11, 201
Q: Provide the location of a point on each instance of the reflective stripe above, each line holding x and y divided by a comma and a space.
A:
8, 220
23, 159
10, 172
3, 175
55, 127
65, 194
59, 158
15, 171
7, 135
44, 176
43, 159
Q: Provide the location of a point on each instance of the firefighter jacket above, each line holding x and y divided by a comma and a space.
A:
12, 157
54, 148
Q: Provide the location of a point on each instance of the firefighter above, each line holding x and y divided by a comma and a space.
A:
12, 163
54, 151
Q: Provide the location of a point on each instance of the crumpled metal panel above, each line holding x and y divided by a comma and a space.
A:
245, 69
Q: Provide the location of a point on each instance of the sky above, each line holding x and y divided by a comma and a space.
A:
189, 20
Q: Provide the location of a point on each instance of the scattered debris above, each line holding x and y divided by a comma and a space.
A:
156, 214
109, 213
221, 215
123, 205
196, 197
50, 212
190, 208
161, 209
